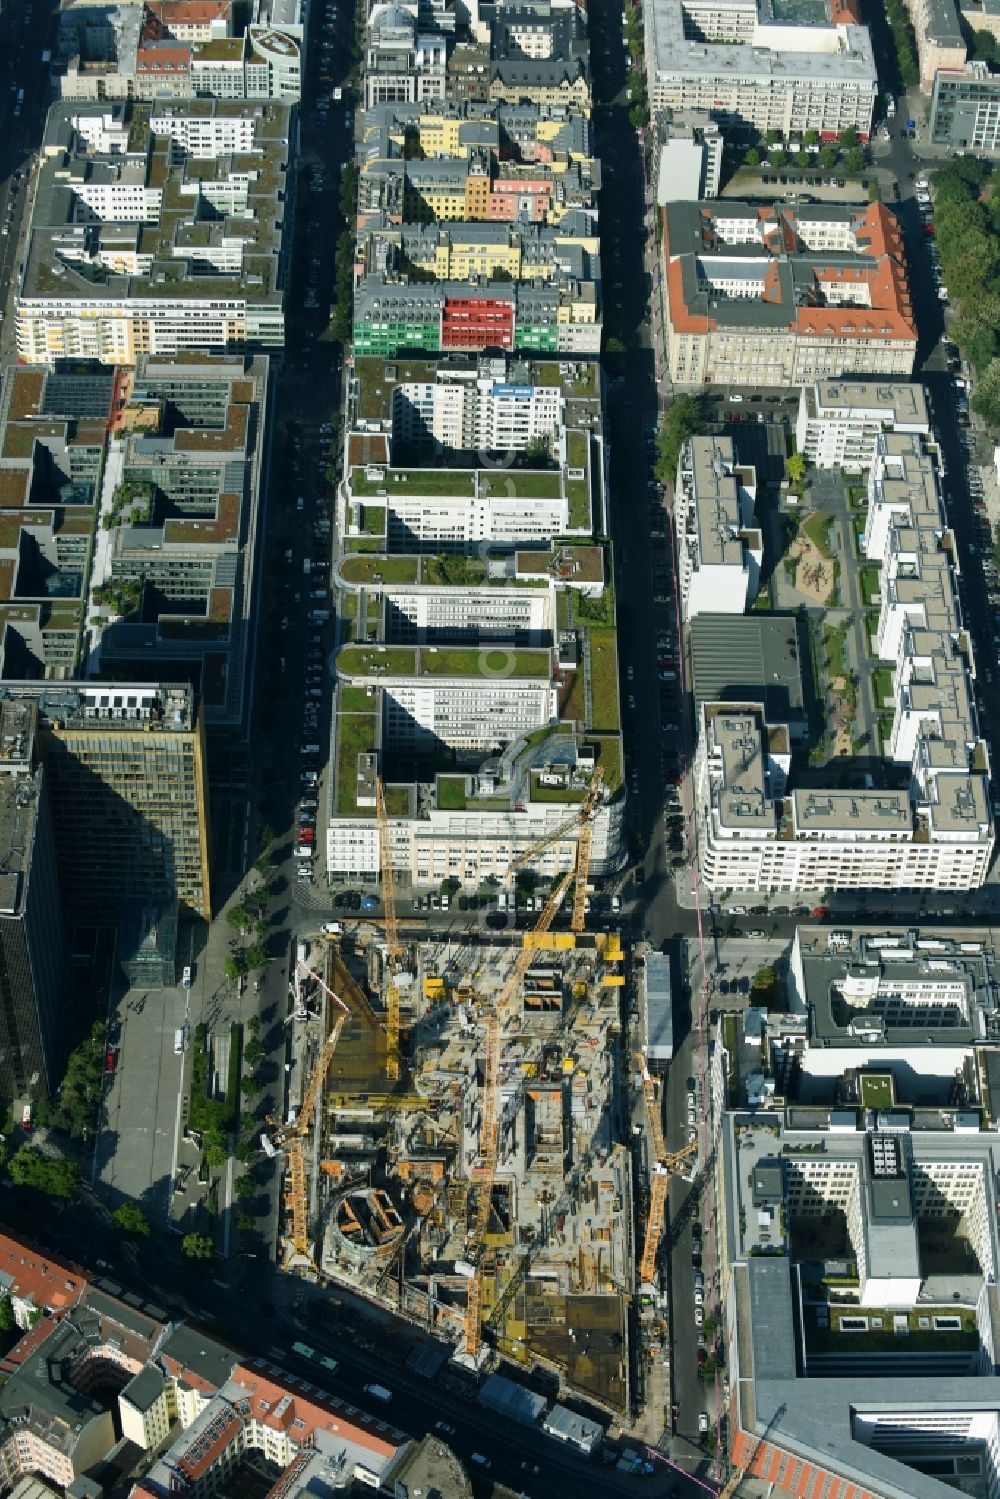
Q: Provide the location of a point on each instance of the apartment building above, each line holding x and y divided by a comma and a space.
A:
760, 67
780, 295
534, 160
172, 587
179, 49
191, 1404
936, 833
965, 109
940, 40
686, 156
124, 765
539, 53
442, 699
33, 954
405, 62
393, 317
145, 248
807, 1409
53, 441
478, 410
839, 421
719, 544
474, 252
916, 1006
416, 509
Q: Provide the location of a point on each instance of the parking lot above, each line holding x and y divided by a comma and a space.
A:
136, 1144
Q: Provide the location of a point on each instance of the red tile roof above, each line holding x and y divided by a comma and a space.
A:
51, 1283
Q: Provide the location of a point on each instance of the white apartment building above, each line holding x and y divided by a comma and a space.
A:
474, 844
837, 297
205, 135
745, 69
122, 258
454, 699
936, 834
719, 545
839, 421
420, 615
484, 414
403, 65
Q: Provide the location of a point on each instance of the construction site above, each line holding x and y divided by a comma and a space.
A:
453, 1135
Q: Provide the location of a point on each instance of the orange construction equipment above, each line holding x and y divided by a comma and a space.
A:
394, 947
293, 1138
664, 1166
582, 816
489, 1128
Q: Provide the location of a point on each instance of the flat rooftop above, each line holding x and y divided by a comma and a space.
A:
746, 658
234, 253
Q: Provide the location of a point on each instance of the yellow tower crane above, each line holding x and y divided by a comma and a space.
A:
489, 1131
665, 1166
394, 947
582, 817
292, 1139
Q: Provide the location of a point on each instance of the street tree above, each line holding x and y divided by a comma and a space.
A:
197, 1246
239, 917
752, 158
795, 467
253, 1054
986, 396
7, 1319
854, 160
52, 1175
129, 1218
244, 1222
828, 158
683, 419
235, 967
777, 157
244, 1187
256, 956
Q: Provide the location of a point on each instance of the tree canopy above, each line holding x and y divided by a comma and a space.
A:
197, 1246
683, 419
52, 1175
130, 1219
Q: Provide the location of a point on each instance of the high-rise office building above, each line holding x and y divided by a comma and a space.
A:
32, 942
126, 778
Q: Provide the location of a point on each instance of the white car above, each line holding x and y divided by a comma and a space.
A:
736, 400
699, 1298
699, 1317
702, 1422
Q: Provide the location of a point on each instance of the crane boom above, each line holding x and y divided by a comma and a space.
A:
394, 947
580, 814
665, 1166
490, 1128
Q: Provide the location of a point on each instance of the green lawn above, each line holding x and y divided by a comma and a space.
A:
834, 642
472, 662
448, 570
876, 1090
578, 497
355, 734
882, 685
609, 756
418, 481
883, 1339
353, 700
451, 793
529, 484
870, 582
604, 679
373, 520
389, 569
390, 660
397, 801
363, 543
374, 389
817, 528
567, 794
575, 704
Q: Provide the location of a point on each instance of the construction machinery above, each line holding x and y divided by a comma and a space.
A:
490, 1126
666, 1165
393, 946
291, 1138
582, 817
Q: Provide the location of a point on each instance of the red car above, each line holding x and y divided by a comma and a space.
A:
819, 911
110, 1060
